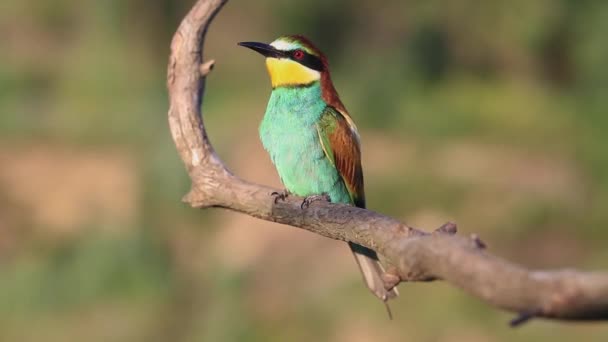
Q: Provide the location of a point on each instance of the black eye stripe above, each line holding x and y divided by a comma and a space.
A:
308, 60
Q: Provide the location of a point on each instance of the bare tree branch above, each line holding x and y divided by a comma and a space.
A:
416, 255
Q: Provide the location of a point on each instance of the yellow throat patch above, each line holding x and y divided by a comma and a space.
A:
285, 72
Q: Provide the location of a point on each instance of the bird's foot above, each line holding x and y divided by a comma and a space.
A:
391, 279
309, 199
282, 195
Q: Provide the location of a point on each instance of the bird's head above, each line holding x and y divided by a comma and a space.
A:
291, 61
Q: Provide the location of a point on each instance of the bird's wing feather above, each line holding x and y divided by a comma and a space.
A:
340, 141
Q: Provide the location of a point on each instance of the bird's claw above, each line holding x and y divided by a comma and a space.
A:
309, 199
391, 279
279, 195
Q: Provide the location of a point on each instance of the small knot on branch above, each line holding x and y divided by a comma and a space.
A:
449, 228
197, 199
391, 278
206, 67
477, 241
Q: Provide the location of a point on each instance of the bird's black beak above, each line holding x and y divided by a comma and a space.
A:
266, 50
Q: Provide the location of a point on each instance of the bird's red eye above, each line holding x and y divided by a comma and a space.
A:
298, 54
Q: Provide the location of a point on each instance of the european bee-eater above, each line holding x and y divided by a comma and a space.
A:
312, 140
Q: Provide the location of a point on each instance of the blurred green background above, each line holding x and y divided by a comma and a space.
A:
487, 113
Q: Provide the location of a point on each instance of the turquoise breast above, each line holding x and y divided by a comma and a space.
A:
289, 135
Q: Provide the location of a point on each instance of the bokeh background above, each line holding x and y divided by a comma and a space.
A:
491, 114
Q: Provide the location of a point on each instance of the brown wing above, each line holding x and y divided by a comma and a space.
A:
340, 142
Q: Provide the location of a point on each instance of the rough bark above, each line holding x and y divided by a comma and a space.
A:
415, 255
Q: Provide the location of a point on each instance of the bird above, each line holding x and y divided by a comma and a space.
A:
312, 140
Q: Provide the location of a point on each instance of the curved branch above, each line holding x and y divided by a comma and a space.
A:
416, 255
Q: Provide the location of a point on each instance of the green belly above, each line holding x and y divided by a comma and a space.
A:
289, 135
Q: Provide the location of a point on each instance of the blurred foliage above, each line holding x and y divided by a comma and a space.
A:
490, 114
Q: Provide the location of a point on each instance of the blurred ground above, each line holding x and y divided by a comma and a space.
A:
489, 114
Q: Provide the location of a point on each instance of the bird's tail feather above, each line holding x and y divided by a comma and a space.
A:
372, 271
